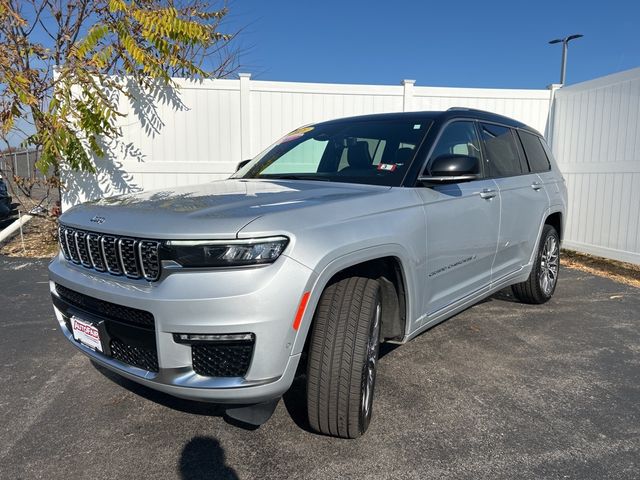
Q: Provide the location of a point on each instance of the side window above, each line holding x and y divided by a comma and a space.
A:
534, 150
458, 138
502, 153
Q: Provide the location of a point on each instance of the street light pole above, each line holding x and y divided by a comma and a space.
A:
565, 48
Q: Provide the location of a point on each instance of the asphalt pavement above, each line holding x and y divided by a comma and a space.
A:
501, 391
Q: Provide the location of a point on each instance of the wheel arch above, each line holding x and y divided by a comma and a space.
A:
555, 219
386, 265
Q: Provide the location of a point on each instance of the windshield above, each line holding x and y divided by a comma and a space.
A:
376, 152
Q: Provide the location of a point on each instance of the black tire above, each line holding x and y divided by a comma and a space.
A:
343, 355
534, 290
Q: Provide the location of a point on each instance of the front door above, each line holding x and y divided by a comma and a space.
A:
462, 220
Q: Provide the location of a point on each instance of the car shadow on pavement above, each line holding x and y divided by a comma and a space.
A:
506, 295
203, 458
169, 401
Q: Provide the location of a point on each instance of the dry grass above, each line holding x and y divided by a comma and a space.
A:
622, 272
40, 240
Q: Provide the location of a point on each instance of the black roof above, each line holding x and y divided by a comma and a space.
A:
440, 117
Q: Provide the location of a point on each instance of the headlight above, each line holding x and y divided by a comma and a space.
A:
224, 253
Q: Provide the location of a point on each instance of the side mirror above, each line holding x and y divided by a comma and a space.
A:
243, 163
453, 168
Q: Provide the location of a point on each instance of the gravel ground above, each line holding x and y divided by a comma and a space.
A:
501, 391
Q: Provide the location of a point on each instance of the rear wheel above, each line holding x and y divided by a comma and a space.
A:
542, 281
343, 356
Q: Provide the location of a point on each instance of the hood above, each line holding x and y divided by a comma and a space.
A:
213, 210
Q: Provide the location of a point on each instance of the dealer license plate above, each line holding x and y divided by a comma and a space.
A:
86, 333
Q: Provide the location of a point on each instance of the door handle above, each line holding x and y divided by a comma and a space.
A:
488, 193
536, 186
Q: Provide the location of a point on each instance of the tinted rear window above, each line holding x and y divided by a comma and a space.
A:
501, 151
538, 161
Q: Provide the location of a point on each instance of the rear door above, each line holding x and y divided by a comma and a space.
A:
462, 226
540, 162
524, 200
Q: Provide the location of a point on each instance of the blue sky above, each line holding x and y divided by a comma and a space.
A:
452, 43
456, 43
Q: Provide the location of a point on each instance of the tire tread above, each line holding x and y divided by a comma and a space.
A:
529, 291
337, 350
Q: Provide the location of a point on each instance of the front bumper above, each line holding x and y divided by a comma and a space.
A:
262, 301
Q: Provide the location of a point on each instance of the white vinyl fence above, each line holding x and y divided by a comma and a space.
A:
200, 132
596, 140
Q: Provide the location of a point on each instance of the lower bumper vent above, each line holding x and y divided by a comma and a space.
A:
222, 359
141, 357
127, 334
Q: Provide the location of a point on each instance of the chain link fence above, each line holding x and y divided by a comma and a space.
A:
21, 164
27, 185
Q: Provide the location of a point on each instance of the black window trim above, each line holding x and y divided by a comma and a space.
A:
516, 141
524, 151
524, 161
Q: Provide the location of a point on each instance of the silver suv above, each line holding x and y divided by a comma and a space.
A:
338, 237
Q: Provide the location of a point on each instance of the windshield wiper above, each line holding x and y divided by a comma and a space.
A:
295, 177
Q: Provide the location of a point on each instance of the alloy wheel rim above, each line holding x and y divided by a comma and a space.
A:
549, 264
369, 371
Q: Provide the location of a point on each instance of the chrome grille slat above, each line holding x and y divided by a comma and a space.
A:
71, 245
110, 253
63, 242
135, 258
95, 252
80, 239
148, 252
127, 252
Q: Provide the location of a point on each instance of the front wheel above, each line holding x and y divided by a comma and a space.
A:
542, 281
343, 356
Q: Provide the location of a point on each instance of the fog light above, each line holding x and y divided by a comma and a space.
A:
215, 337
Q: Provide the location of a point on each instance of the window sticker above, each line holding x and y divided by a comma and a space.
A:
387, 167
417, 126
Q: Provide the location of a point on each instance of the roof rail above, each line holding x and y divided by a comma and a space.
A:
465, 109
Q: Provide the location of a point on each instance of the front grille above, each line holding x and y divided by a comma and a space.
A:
138, 356
135, 258
222, 359
101, 308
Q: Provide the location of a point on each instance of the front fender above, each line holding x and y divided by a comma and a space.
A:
329, 268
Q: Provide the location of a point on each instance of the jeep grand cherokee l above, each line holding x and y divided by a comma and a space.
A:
340, 236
